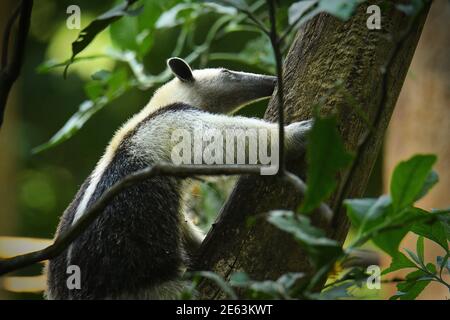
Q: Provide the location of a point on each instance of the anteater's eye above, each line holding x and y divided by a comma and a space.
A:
227, 74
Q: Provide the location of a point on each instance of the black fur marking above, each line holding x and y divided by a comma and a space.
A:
181, 69
57, 266
135, 243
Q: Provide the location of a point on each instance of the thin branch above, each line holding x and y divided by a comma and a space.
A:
251, 16
297, 21
323, 210
7, 34
11, 69
66, 238
280, 95
256, 21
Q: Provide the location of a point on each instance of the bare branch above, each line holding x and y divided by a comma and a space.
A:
251, 16
65, 239
7, 34
10, 69
296, 23
276, 50
323, 210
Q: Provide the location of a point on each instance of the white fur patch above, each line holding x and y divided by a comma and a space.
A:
169, 93
154, 141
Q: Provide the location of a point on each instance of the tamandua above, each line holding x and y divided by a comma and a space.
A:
139, 246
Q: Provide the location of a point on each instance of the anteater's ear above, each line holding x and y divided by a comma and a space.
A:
180, 69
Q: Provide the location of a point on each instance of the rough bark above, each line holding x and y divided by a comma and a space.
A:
325, 50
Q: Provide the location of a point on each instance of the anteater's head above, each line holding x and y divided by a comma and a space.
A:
216, 90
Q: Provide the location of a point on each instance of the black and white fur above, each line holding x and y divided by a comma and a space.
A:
140, 245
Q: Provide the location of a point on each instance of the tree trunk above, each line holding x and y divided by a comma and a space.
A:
421, 124
325, 50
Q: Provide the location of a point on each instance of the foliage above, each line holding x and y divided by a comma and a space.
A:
132, 26
99, 24
388, 219
130, 52
326, 156
385, 221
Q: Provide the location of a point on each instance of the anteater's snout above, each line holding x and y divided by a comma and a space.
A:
271, 83
260, 86
272, 80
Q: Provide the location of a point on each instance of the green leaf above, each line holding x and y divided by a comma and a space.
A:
326, 156
431, 268
399, 261
367, 215
86, 110
420, 249
376, 214
443, 262
413, 256
297, 9
357, 209
238, 4
342, 9
409, 179
239, 279
306, 10
415, 283
375, 218
101, 75
289, 279
99, 24
177, 15
51, 64
321, 250
94, 89
218, 280
430, 181
221, 9
124, 33
117, 84
136, 33
185, 13
436, 231
389, 241
107, 87
411, 8
267, 287
338, 291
